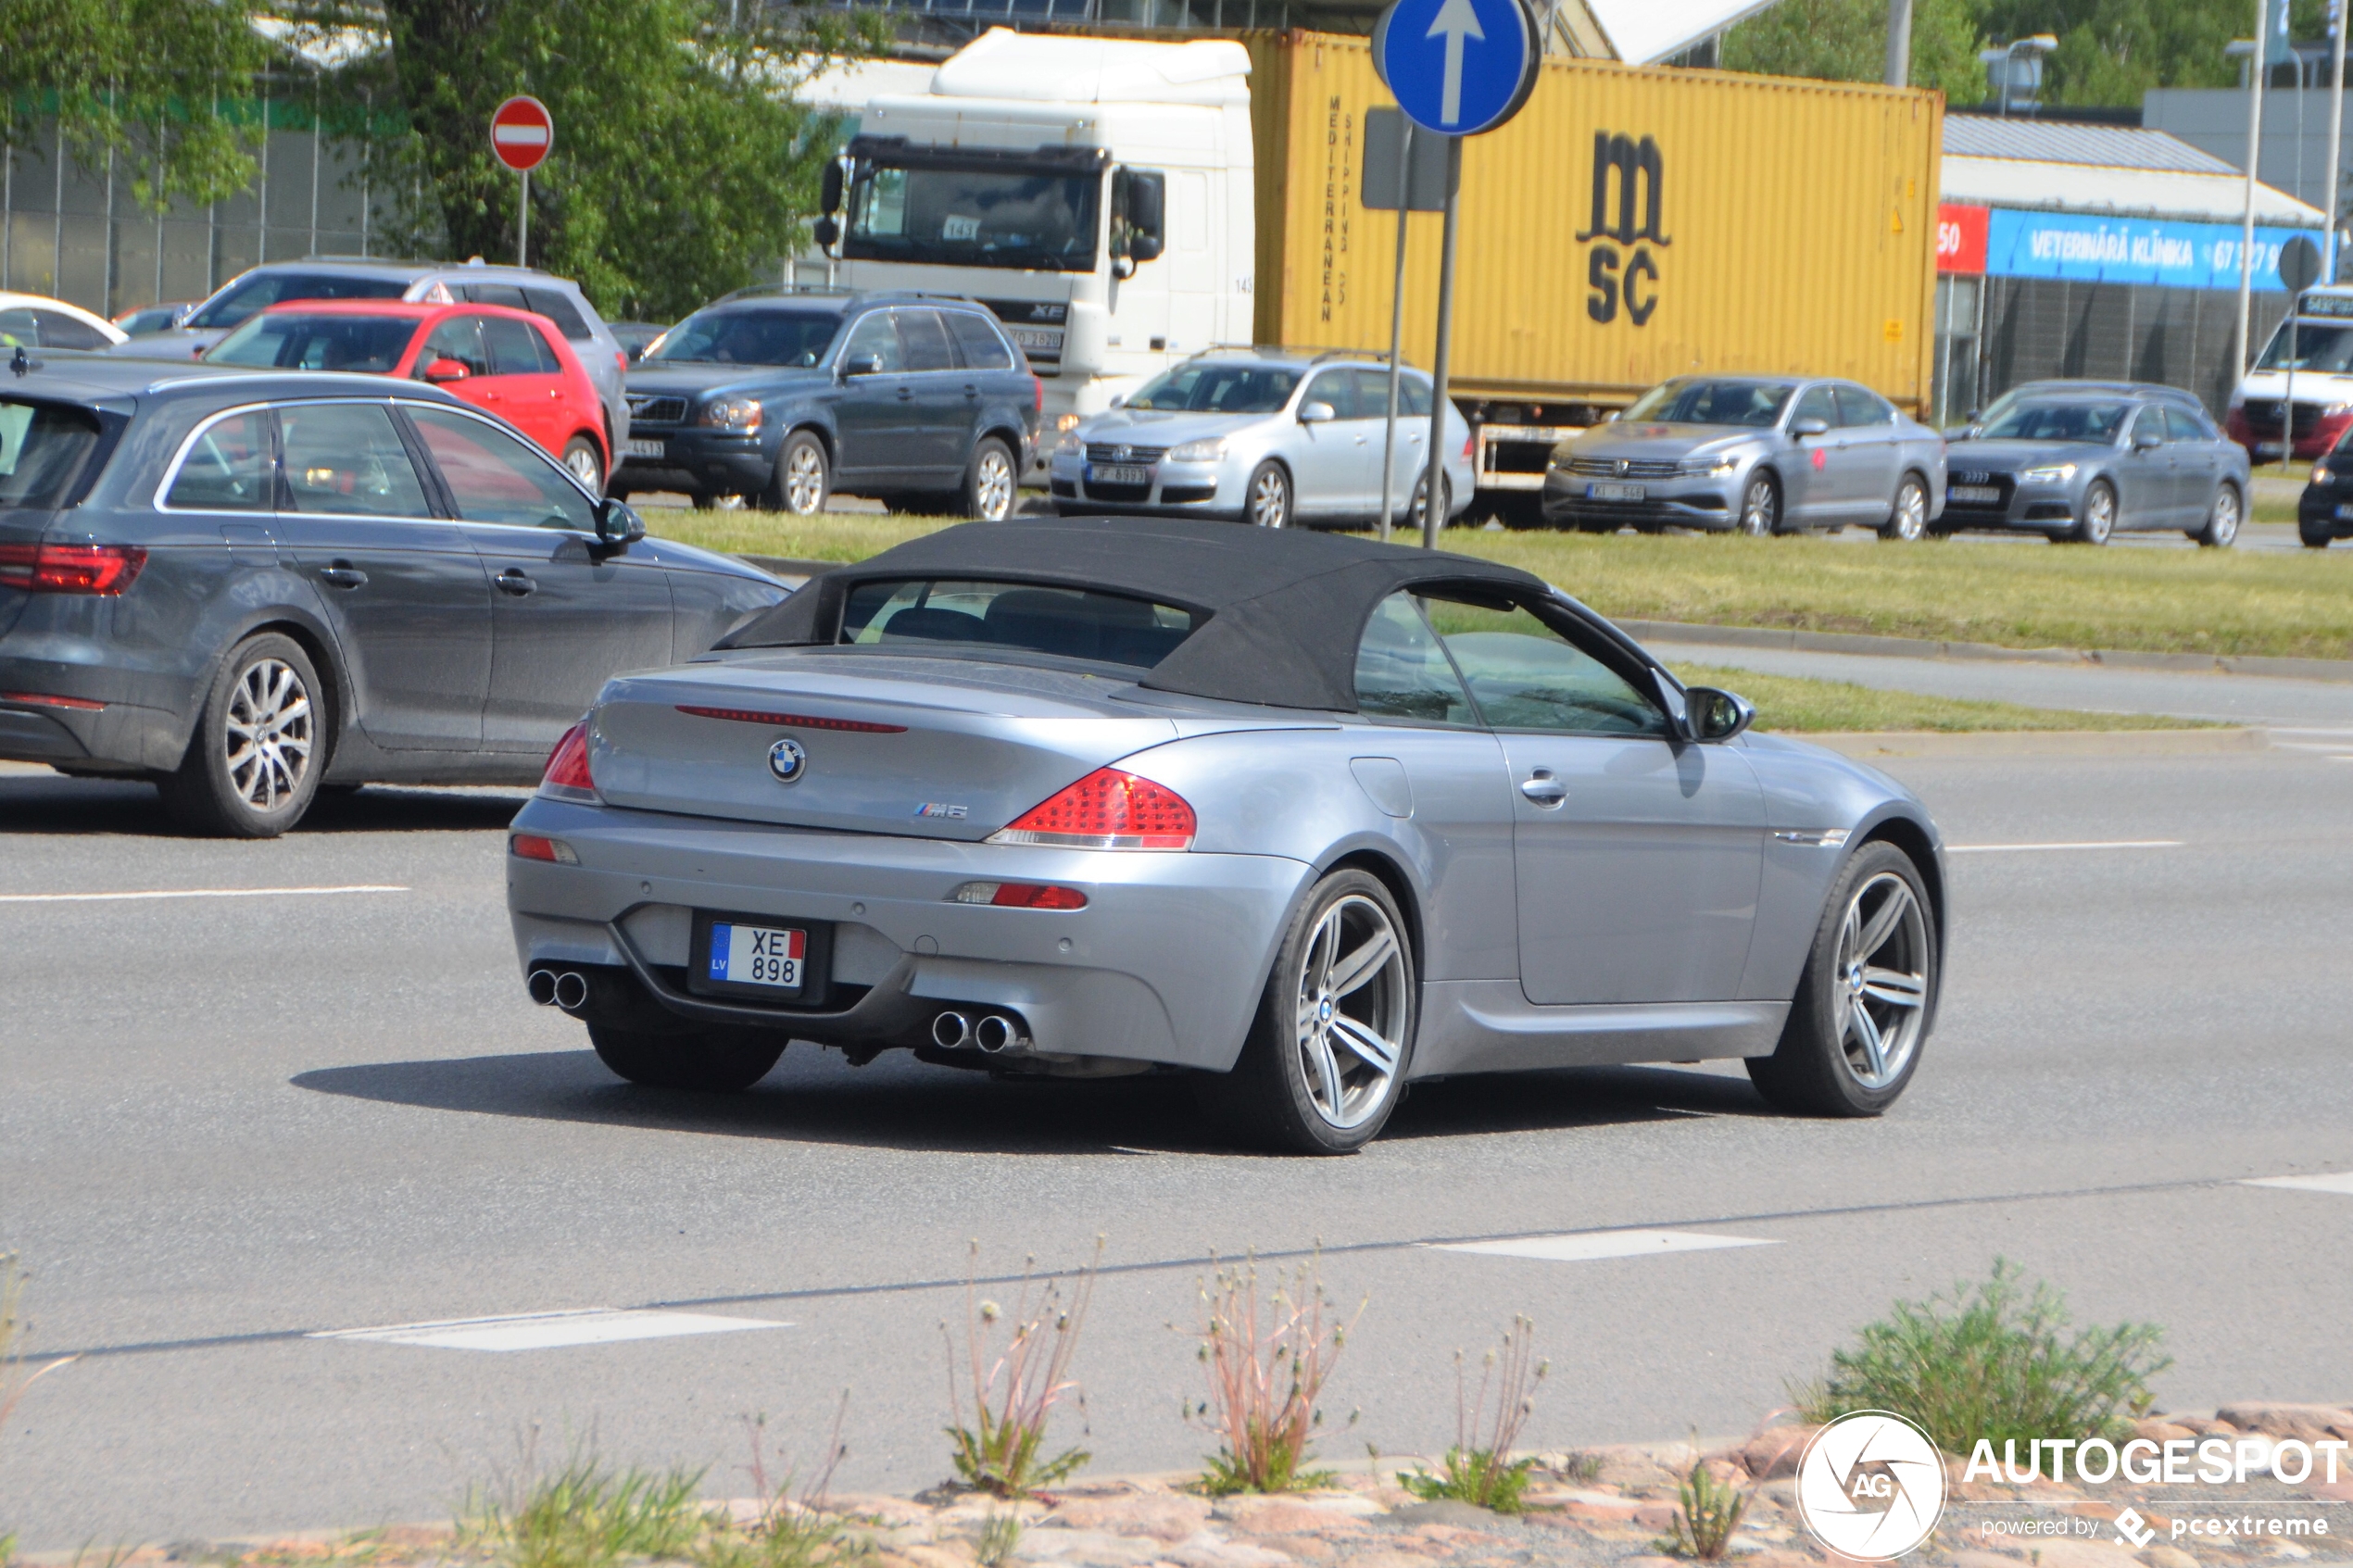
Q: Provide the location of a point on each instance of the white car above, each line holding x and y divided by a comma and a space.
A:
34, 320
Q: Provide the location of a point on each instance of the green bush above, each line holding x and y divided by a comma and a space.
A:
1993, 1361
588, 1516
1707, 1512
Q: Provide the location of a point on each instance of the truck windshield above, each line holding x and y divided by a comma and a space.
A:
1035, 221
1218, 389
2328, 349
43, 447
2058, 421
747, 337
1753, 403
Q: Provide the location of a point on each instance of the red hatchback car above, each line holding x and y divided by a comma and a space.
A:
506, 362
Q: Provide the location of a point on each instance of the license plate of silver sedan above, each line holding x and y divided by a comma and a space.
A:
1974, 495
1607, 492
1118, 473
1222, 827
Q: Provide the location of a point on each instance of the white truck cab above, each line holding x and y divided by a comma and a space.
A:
2319, 343
1096, 194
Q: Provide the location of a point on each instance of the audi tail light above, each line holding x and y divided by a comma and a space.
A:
567, 773
69, 569
1107, 809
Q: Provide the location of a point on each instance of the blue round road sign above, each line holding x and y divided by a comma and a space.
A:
1457, 67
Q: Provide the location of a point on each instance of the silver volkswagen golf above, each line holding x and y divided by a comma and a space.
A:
1299, 817
1266, 436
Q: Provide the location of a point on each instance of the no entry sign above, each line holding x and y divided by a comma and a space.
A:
521, 133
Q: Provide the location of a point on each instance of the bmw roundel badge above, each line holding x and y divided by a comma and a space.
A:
787, 760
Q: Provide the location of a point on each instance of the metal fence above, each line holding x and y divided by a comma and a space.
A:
2035, 328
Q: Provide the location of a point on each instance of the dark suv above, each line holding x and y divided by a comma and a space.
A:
784, 395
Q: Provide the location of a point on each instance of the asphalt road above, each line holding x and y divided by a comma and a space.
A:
228, 1123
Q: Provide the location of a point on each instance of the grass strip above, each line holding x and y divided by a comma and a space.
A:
1798, 705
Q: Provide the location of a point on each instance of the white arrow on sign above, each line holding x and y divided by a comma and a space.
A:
1457, 19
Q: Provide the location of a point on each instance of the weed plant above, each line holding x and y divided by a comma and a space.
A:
1267, 1367
791, 1532
585, 1514
999, 1534
1480, 1468
1002, 1452
1707, 1512
1996, 1361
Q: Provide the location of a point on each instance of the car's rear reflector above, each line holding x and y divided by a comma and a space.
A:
1020, 896
793, 721
1107, 809
567, 772
43, 699
69, 569
531, 847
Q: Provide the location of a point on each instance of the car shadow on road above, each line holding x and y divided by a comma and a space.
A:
814, 1097
55, 803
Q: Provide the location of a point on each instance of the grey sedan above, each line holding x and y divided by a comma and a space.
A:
1753, 454
1301, 816
247, 584
2078, 466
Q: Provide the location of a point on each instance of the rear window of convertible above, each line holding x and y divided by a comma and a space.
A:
1016, 616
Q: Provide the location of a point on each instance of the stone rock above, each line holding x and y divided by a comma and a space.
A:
1085, 1548
2168, 1557
1654, 1516
1306, 1549
1774, 1452
1304, 1513
2307, 1423
1161, 1516
1652, 1563
2068, 1551
2161, 1429
1984, 1557
1444, 1511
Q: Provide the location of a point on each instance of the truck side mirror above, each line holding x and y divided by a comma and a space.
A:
827, 232
829, 189
1147, 210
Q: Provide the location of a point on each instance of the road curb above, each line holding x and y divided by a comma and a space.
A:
1868, 744
1924, 647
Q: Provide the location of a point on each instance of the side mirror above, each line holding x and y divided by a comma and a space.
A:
1139, 202
636, 352
1804, 428
827, 232
1611, 417
2146, 441
1716, 715
618, 525
1317, 413
1972, 418
829, 191
864, 365
1118, 400
441, 370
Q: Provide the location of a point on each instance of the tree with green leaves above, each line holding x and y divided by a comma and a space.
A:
1846, 41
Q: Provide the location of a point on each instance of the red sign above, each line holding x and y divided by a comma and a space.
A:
523, 131
1960, 239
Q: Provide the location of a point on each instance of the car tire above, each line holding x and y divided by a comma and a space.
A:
992, 482
1848, 1009
1445, 502
1266, 500
1761, 513
703, 501
717, 1061
803, 479
2220, 529
1907, 519
1307, 1083
585, 464
253, 762
2315, 538
2097, 524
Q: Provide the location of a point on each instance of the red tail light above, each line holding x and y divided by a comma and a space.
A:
69, 569
531, 847
1036, 395
1020, 896
1107, 809
567, 764
1468, 442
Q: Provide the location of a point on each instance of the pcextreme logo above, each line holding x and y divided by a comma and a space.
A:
1871, 1485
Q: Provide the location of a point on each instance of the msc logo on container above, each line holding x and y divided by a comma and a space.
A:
1632, 221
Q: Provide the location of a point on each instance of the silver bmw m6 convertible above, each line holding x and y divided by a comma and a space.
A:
1300, 818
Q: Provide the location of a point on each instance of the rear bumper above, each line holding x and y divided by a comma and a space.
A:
1164, 964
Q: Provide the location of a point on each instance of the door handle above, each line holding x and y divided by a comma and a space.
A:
513, 580
972, 392
906, 394
342, 574
1544, 789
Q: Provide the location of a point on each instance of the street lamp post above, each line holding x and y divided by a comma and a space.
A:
2258, 62
2032, 48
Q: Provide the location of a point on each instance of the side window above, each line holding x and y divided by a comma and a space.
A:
984, 349
1857, 407
557, 308
19, 329
2150, 426
492, 294
1816, 404
874, 338
346, 458
227, 468
2183, 425
1413, 396
925, 341
62, 331
1336, 387
515, 347
457, 338
1526, 676
1402, 673
1372, 393
495, 478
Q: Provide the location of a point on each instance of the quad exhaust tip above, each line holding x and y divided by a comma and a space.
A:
951, 1031
565, 988
997, 1033
543, 986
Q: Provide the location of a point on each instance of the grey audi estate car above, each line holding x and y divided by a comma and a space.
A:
2078, 465
247, 584
1756, 454
1303, 815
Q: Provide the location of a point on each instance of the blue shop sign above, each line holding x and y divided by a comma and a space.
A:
2127, 250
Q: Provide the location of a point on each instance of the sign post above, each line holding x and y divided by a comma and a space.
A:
1456, 67
1394, 157
521, 132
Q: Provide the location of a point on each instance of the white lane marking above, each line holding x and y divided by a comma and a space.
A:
192, 893
1601, 1244
2340, 1182
2093, 844
542, 1331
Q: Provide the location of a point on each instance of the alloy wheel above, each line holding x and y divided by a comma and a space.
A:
584, 467
993, 485
1352, 1012
2099, 515
1910, 521
1269, 498
267, 743
1759, 508
804, 480
2223, 525
1881, 987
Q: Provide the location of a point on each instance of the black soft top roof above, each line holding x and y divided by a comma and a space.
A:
1285, 608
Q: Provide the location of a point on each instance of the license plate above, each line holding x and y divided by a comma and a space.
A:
2267, 448
756, 955
636, 449
2345, 514
1118, 473
1615, 492
1974, 495
1034, 337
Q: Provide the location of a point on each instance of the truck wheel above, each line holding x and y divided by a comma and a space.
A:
803, 478
253, 763
1268, 496
991, 481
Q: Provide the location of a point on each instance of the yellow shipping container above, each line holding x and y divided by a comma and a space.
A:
1628, 226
